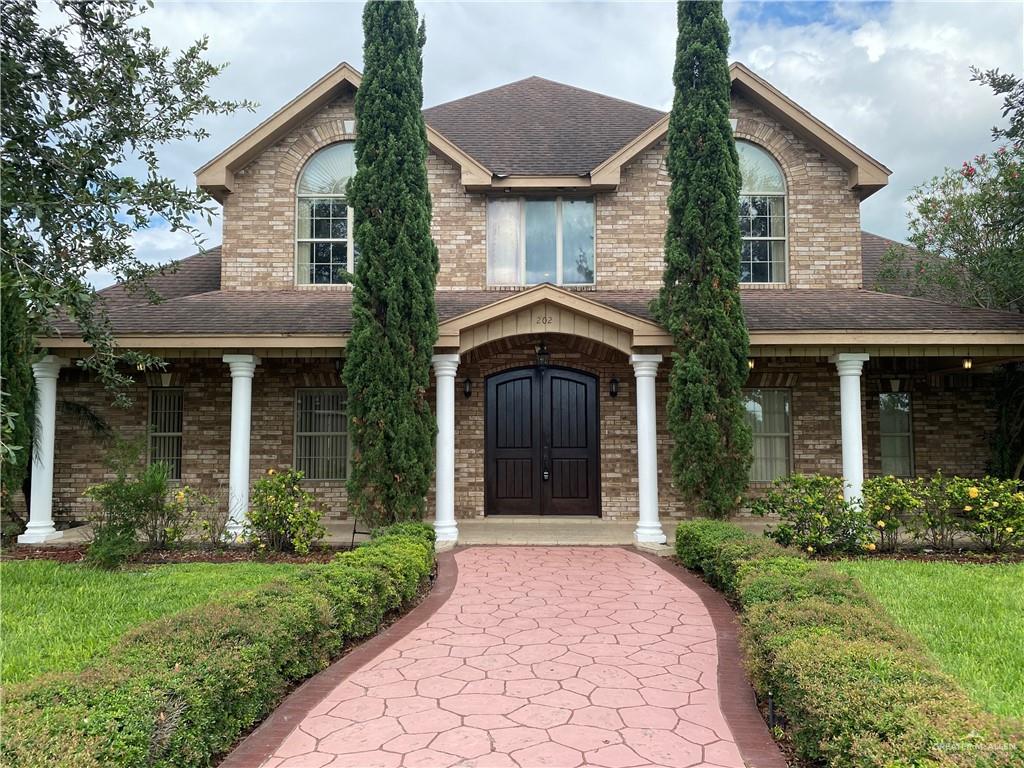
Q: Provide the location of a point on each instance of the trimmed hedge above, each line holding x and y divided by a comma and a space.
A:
181, 690
854, 690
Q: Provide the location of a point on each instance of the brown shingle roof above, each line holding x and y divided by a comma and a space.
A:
539, 127
198, 273
194, 305
330, 312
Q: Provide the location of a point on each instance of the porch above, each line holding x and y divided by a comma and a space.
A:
818, 401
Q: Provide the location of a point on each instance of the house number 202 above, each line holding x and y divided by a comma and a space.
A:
545, 320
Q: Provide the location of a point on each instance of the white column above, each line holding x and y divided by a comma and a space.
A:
242, 369
40, 522
648, 527
445, 367
850, 365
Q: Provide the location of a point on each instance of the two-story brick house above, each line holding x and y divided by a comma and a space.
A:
549, 208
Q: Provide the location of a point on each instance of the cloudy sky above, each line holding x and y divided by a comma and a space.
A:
891, 77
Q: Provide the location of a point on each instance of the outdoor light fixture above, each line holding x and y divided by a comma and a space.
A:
968, 363
467, 387
543, 356
750, 363
613, 388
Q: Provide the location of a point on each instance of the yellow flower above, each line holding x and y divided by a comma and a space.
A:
271, 471
973, 492
810, 550
871, 547
968, 508
880, 524
1008, 529
179, 496
995, 504
888, 508
1019, 495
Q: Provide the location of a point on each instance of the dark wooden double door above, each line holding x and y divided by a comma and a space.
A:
542, 443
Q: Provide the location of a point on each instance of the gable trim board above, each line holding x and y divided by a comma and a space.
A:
866, 175
217, 176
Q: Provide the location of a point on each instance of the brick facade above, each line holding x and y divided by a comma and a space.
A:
952, 422
823, 214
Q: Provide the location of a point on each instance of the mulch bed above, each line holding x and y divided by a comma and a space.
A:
966, 556
76, 554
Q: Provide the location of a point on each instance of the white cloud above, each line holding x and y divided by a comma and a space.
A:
891, 78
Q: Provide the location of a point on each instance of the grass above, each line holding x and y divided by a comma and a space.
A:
57, 616
971, 617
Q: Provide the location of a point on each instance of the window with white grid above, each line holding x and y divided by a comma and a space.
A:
762, 216
325, 247
321, 434
165, 422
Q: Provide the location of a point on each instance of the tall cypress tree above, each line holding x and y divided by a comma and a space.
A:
387, 365
700, 300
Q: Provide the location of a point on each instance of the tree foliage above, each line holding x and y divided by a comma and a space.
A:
387, 365
700, 300
87, 105
967, 225
17, 390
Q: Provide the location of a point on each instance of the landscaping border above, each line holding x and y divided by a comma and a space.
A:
259, 745
735, 693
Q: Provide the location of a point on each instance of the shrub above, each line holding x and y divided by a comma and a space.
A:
181, 690
283, 516
853, 690
814, 515
935, 523
865, 704
697, 541
769, 627
133, 500
889, 503
787, 579
989, 510
206, 516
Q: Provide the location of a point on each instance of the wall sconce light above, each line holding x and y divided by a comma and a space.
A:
613, 388
467, 387
750, 363
968, 363
543, 356
894, 385
339, 366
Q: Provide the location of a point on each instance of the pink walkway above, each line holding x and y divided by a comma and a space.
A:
556, 657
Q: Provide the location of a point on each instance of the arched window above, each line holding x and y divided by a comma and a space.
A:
325, 250
762, 216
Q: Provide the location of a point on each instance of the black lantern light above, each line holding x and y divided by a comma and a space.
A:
467, 387
543, 356
613, 388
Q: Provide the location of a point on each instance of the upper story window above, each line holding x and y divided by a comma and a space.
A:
762, 216
540, 240
325, 248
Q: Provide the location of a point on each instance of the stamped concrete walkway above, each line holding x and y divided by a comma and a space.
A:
541, 656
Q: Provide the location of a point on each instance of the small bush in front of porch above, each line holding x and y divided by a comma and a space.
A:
282, 515
890, 503
814, 515
990, 510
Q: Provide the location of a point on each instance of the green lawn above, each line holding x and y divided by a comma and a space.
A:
970, 616
57, 616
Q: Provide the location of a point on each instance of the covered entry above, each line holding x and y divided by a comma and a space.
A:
541, 442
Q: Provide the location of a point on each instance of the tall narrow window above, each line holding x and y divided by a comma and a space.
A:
165, 423
325, 248
321, 434
768, 413
897, 434
762, 216
540, 240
